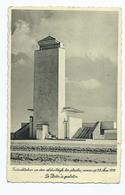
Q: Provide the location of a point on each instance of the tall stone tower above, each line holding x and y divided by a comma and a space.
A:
49, 86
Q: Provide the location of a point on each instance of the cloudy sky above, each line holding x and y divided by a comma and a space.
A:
91, 42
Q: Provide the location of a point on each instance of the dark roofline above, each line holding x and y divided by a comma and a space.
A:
48, 38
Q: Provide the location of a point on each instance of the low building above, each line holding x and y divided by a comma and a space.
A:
107, 131
104, 130
24, 132
73, 128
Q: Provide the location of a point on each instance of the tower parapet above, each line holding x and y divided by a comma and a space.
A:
49, 43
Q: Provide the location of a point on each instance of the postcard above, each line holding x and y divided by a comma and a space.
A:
64, 95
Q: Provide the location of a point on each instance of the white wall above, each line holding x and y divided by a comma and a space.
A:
61, 92
74, 124
96, 133
42, 133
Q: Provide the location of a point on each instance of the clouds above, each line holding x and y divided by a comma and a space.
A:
21, 27
83, 33
22, 40
89, 84
100, 113
84, 68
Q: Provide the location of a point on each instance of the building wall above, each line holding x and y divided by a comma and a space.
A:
42, 132
61, 92
96, 133
110, 136
108, 124
109, 133
48, 79
87, 124
73, 125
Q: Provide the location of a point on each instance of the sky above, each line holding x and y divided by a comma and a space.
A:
91, 43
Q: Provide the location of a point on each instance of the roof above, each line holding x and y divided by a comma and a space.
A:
49, 42
48, 38
30, 109
74, 110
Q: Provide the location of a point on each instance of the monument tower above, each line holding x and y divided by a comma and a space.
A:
49, 86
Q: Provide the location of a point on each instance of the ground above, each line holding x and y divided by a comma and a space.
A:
61, 152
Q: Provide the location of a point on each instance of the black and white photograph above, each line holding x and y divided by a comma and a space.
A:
64, 90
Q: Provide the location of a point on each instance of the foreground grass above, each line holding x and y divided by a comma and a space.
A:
81, 154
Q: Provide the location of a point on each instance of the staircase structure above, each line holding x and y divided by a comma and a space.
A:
85, 132
22, 133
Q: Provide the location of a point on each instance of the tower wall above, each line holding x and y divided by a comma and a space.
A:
49, 89
61, 92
